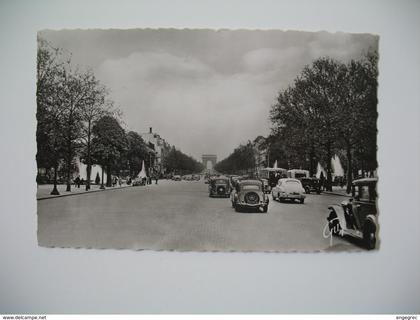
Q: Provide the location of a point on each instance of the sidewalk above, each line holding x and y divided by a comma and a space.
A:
338, 191
44, 190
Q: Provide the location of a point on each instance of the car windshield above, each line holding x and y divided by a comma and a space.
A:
292, 183
220, 181
300, 175
250, 187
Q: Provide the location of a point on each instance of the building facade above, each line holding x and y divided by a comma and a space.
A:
160, 146
260, 153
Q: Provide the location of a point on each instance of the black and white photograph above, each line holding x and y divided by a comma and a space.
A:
207, 140
217, 158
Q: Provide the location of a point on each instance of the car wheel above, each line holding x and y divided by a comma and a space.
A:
369, 236
281, 199
302, 201
333, 224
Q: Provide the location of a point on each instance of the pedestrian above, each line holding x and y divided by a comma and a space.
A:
77, 182
119, 181
156, 179
341, 182
97, 179
322, 181
82, 181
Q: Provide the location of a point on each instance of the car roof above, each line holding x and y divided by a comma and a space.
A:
220, 177
365, 180
250, 181
289, 179
297, 170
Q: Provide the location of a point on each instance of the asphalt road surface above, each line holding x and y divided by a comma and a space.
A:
179, 215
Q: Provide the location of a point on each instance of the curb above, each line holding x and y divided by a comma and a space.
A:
79, 193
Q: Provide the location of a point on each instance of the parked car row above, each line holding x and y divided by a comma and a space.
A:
188, 177
252, 193
355, 217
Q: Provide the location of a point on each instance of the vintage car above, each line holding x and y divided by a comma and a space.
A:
219, 187
288, 189
266, 186
357, 216
138, 182
249, 194
297, 173
311, 184
176, 177
234, 180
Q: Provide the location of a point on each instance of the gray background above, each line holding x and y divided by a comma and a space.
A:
44, 280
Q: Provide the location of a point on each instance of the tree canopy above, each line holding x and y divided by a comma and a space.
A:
330, 107
241, 160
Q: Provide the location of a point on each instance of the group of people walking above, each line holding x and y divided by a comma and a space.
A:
118, 181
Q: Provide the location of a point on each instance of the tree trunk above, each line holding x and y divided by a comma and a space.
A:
69, 159
55, 190
329, 175
69, 152
349, 168
89, 165
108, 176
102, 178
311, 161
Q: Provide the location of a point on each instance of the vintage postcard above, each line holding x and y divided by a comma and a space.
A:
207, 140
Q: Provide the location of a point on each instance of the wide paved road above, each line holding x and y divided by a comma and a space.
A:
180, 216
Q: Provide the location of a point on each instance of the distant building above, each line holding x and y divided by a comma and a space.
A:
160, 146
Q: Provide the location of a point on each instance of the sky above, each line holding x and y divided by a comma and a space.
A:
204, 91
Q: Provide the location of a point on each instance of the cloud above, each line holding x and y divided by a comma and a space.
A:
190, 104
203, 91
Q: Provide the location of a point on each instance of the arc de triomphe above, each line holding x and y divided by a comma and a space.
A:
209, 159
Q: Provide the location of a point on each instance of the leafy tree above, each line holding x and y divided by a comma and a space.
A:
137, 152
95, 106
50, 125
109, 144
178, 162
241, 160
330, 107
357, 130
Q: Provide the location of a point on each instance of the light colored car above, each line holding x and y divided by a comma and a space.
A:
288, 189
